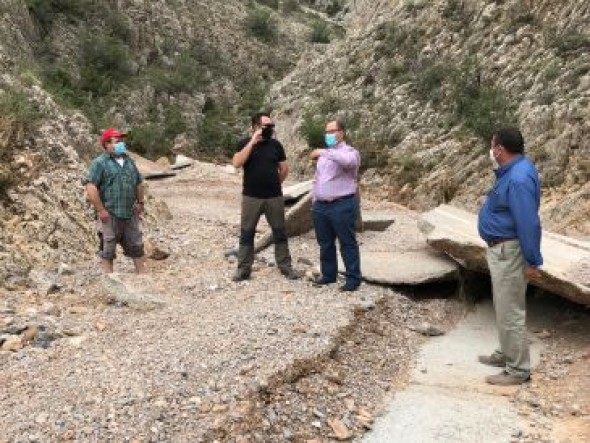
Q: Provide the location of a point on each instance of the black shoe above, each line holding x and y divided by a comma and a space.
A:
322, 281
349, 287
240, 276
291, 274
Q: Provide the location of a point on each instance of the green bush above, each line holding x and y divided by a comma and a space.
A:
16, 105
290, 6
216, 136
273, 4
334, 7
569, 41
312, 130
44, 12
484, 110
148, 140
103, 64
174, 122
429, 80
261, 24
320, 33
411, 169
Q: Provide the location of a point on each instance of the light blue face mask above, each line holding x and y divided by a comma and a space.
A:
120, 148
330, 140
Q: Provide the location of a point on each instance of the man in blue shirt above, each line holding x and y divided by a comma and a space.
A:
509, 223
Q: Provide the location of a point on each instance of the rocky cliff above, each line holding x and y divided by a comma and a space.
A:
423, 84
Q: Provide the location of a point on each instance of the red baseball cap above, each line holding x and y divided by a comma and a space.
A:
109, 133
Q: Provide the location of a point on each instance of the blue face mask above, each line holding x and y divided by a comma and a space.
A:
330, 140
120, 148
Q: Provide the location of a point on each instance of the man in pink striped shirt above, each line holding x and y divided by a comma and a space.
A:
335, 206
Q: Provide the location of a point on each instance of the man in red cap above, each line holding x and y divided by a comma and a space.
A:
115, 189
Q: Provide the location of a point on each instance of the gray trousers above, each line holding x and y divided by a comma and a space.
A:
509, 285
274, 212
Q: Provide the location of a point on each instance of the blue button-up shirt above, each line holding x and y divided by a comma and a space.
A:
511, 209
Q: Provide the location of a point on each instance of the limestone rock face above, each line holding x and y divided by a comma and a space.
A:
391, 78
566, 267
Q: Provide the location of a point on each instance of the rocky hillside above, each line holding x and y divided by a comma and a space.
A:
181, 76
423, 84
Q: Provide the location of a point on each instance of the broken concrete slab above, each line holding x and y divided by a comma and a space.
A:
296, 191
182, 162
297, 221
149, 169
377, 221
406, 267
566, 268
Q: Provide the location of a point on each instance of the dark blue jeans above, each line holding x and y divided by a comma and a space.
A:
333, 221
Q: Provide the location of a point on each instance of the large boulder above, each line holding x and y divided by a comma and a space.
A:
566, 268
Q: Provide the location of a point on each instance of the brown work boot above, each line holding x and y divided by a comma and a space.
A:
492, 360
506, 379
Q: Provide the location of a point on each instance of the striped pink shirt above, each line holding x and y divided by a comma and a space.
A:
336, 173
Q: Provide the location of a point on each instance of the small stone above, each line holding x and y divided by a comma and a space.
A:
69, 435
50, 309
317, 413
304, 261
12, 343
349, 403
64, 269
220, 408
427, 329
30, 334
316, 424
334, 377
544, 334
340, 430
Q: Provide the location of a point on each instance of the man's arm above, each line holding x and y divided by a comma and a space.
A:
242, 155
139, 196
348, 159
283, 170
94, 197
523, 208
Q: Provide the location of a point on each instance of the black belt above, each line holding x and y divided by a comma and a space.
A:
337, 199
497, 241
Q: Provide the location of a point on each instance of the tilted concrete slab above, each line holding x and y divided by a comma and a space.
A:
149, 169
377, 221
297, 221
182, 162
566, 268
296, 191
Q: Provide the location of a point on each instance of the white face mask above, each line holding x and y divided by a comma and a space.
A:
495, 164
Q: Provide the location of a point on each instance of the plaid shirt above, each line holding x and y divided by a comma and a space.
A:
116, 184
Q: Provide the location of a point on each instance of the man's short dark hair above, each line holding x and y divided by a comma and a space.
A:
257, 118
511, 139
340, 125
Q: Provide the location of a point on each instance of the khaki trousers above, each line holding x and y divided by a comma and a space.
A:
509, 285
274, 211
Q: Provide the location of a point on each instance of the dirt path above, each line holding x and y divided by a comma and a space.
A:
263, 361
